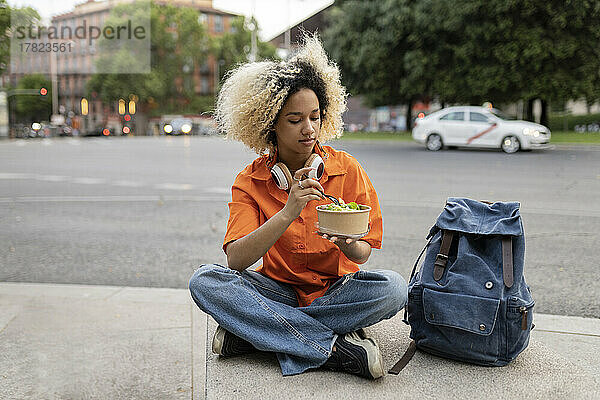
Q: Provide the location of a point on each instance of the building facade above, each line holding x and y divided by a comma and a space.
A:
73, 69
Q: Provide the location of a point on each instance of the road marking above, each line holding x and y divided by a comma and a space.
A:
220, 190
99, 181
51, 178
89, 181
96, 140
124, 183
174, 186
100, 199
16, 175
524, 210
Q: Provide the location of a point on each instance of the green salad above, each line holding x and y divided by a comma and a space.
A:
343, 206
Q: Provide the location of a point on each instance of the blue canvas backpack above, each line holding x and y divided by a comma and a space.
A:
469, 300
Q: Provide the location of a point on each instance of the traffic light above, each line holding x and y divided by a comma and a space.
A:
84, 106
43, 91
121, 106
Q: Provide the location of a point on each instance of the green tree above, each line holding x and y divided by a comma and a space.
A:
179, 45
369, 41
504, 51
12, 17
233, 48
34, 107
468, 52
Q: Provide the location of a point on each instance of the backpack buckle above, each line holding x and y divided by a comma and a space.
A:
438, 267
441, 260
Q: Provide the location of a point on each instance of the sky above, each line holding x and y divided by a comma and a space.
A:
273, 16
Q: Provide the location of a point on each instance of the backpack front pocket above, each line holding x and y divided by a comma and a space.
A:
465, 324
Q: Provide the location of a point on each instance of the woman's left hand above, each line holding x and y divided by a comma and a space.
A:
355, 249
337, 240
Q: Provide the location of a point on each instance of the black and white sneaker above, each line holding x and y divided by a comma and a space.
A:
356, 355
226, 343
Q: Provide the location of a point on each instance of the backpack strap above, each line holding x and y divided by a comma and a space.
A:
507, 261
408, 355
412, 274
442, 258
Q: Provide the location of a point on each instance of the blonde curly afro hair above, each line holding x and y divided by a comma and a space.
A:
253, 94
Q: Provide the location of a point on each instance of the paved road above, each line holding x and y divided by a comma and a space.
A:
148, 211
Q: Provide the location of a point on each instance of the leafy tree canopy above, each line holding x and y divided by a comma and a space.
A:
234, 47
471, 51
34, 107
180, 45
20, 16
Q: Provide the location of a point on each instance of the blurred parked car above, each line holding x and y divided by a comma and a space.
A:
178, 126
28, 131
478, 127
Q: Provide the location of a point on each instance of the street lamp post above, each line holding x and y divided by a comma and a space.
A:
53, 74
253, 47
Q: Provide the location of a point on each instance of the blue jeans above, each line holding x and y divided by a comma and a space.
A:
265, 312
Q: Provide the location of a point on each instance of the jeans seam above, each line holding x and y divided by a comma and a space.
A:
287, 325
272, 290
332, 295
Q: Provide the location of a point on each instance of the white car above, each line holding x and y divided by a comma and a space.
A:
470, 126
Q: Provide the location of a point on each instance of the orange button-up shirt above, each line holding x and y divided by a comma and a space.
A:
300, 257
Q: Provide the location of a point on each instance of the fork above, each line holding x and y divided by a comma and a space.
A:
335, 200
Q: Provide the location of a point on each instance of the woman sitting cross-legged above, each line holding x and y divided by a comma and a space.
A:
308, 301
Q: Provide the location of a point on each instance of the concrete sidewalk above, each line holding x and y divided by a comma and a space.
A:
102, 342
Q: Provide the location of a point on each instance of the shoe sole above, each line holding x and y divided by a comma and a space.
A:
374, 358
218, 340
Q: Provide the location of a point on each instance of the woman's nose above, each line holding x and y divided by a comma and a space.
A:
307, 127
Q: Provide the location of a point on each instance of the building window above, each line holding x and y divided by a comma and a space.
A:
203, 19
218, 23
204, 85
188, 84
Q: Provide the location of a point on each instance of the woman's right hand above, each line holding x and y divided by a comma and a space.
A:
301, 192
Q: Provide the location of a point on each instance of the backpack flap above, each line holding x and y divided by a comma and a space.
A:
479, 218
468, 313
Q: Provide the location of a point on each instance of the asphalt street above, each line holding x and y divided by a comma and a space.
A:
149, 211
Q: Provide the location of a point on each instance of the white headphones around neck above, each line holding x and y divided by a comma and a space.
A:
283, 178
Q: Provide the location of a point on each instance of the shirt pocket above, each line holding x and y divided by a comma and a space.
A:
295, 240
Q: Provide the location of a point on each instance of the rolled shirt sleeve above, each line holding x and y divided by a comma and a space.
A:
244, 214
